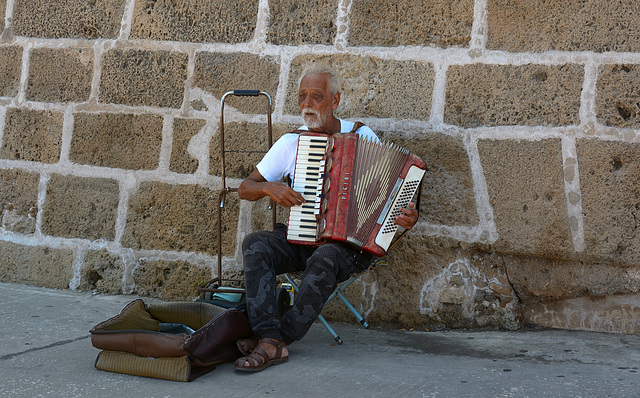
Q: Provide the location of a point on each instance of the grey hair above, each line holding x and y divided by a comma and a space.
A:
322, 69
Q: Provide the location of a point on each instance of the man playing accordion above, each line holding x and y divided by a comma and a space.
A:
267, 254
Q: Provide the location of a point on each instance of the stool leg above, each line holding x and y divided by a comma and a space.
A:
330, 329
340, 293
352, 309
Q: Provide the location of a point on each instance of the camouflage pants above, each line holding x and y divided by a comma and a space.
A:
267, 254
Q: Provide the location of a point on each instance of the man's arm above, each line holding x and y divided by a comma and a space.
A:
256, 187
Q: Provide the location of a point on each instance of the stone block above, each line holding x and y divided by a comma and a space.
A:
605, 279
245, 145
537, 279
59, 19
78, 207
183, 131
547, 25
32, 135
525, 182
60, 75
437, 23
102, 272
219, 73
302, 22
36, 265
503, 95
19, 199
169, 279
618, 95
196, 21
10, 67
179, 218
614, 314
143, 78
610, 188
372, 87
447, 193
126, 141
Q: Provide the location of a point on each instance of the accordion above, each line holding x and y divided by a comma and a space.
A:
353, 188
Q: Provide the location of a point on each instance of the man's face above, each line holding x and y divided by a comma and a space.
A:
316, 102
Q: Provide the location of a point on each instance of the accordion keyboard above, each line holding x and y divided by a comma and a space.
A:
302, 218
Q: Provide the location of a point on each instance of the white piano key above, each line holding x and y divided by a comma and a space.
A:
302, 225
307, 232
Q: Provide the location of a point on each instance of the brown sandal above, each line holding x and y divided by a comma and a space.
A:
259, 359
246, 346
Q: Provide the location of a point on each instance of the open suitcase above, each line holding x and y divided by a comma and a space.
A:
181, 341
175, 341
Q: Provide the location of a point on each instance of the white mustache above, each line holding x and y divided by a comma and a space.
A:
311, 122
312, 111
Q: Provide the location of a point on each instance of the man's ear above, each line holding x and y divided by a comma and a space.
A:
336, 101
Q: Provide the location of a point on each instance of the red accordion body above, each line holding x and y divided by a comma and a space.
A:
353, 187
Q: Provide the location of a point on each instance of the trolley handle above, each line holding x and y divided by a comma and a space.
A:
246, 93
225, 189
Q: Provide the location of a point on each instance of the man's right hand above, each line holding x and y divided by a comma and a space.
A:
282, 194
256, 187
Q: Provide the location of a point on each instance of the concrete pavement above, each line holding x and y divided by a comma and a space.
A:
46, 351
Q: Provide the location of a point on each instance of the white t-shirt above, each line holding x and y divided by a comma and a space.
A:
280, 161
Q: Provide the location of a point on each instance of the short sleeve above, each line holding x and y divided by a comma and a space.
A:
281, 158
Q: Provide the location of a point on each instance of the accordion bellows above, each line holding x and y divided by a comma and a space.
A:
132, 343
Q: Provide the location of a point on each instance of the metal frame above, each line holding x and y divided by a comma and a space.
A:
219, 281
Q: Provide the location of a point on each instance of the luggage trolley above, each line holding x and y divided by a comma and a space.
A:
215, 289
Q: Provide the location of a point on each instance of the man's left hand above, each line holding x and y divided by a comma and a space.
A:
408, 216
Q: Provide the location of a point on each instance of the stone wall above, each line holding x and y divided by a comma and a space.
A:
526, 111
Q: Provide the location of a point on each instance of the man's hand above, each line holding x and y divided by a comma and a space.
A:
256, 187
282, 194
408, 216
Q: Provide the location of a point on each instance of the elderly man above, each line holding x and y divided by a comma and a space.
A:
268, 254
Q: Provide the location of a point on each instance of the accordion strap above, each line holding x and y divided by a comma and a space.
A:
356, 126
